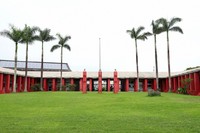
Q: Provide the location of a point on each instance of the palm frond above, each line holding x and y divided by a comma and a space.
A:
67, 47
14, 34
59, 36
55, 47
66, 38
141, 37
139, 29
173, 21
44, 35
177, 29
131, 33
147, 34
29, 34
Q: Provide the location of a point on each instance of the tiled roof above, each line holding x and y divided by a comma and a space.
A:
122, 75
34, 65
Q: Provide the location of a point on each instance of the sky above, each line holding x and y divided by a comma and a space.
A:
88, 20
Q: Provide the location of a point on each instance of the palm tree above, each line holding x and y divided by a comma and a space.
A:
169, 26
137, 35
44, 36
61, 44
15, 35
156, 29
28, 38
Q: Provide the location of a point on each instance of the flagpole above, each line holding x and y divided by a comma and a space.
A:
99, 53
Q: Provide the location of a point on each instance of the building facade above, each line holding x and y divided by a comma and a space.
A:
100, 81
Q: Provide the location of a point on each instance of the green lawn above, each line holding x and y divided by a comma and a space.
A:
107, 112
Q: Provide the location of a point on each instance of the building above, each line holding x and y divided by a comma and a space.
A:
92, 81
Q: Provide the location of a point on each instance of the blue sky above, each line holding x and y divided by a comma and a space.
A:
88, 20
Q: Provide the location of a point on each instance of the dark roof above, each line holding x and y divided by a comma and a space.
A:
34, 65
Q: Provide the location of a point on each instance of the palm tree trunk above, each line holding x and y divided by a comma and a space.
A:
26, 67
156, 64
41, 78
137, 63
15, 71
61, 68
168, 56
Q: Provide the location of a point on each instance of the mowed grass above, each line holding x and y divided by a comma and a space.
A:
55, 112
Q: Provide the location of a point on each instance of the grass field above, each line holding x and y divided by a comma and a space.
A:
55, 112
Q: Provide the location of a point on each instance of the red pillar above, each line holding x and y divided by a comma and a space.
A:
84, 82
179, 82
116, 82
90, 86
7, 85
127, 84
19, 83
1, 83
145, 85
23, 83
45, 84
100, 81
154, 84
28, 84
191, 76
108, 84
53, 84
63, 83
72, 81
167, 85
175, 84
12, 85
197, 82
81, 85
135, 85
163, 85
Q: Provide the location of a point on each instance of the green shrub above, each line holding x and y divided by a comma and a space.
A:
152, 93
35, 87
186, 86
182, 90
71, 87
63, 87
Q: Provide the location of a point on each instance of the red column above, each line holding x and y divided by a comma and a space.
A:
45, 84
154, 84
167, 85
90, 86
63, 82
12, 85
23, 83
53, 84
1, 83
197, 82
135, 85
145, 85
108, 84
175, 84
116, 84
100, 81
163, 85
7, 85
32, 82
191, 76
84, 82
179, 82
28, 84
19, 83
81, 85
127, 84
71, 81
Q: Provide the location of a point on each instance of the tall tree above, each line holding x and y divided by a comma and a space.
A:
137, 35
44, 36
15, 35
28, 38
62, 43
169, 26
156, 29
